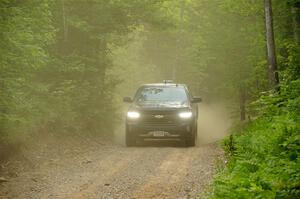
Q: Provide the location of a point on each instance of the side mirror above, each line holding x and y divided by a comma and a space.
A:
196, 99
127, 99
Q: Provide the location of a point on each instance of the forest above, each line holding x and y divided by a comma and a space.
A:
67, 64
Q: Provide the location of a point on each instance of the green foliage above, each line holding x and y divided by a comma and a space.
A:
55, 58
265, 157
26, 31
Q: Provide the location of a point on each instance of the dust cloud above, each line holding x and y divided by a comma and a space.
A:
119, 133
213, 122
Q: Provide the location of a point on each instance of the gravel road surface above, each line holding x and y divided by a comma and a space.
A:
90, 168
115, 171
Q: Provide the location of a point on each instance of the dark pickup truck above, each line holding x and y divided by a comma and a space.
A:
163, 111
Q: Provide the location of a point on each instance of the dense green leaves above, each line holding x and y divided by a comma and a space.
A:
54, 61
26, 31
266, 158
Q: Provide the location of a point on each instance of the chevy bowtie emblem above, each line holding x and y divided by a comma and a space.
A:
158, 116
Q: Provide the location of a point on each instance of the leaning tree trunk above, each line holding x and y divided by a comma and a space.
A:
243, 101
295, 17
272, 63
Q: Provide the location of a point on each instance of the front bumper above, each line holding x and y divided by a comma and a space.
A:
160, 132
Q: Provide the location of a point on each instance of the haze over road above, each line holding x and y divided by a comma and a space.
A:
119, 172
106, 169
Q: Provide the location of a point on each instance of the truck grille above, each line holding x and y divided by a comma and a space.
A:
159, 118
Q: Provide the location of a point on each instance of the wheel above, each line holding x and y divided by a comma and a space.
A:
129, 139
191, 140
196, 132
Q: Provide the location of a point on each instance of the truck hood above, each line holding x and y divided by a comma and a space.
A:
160, 106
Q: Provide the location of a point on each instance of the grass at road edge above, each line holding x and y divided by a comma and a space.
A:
264, 158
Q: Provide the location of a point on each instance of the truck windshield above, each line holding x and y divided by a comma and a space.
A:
174, 95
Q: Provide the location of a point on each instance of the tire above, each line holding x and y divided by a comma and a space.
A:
196, 132
129, 139
191, 140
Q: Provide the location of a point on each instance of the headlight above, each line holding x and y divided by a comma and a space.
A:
185, 115
133, 114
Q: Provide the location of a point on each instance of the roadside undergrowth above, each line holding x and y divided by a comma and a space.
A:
264, 158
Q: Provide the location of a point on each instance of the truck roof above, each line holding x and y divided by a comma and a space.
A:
164, 84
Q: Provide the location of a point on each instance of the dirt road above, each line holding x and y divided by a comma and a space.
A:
89, 168
114, 171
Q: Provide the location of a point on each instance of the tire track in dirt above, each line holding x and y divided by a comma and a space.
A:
118, 172
136, 174
167, 177
112, 165
151, 172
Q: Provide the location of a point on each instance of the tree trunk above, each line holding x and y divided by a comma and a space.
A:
64, 21
177, 65
243, 101
272, 63
295, 12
